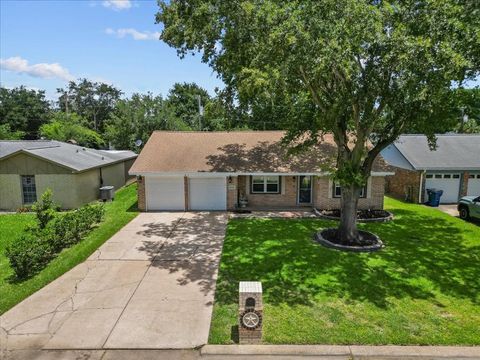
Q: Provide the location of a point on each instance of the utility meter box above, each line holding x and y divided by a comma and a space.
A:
250, 312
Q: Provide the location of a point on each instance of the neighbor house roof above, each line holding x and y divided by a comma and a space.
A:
233, 152
74, 157
453, 152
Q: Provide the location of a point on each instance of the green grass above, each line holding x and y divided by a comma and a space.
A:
423, 288
117, 214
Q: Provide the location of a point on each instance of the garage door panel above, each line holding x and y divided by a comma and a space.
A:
449, 183
207, 193
165, 193
473, 188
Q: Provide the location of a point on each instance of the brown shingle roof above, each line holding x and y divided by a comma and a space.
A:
233, 151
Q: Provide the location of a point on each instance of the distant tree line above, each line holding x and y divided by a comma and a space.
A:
97, 115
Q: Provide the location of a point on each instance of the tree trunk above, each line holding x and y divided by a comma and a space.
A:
347, 230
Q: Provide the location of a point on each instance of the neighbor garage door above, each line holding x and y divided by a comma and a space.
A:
208, 193
473, 188
164, 193
449, 183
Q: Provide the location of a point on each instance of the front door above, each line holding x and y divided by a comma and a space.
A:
304, 189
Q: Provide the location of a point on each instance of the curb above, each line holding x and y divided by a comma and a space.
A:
345, 351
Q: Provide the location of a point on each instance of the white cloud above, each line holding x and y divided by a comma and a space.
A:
135, 34
117, 4
42, 70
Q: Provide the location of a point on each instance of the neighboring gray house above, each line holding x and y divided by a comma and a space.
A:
453, 167
74, 173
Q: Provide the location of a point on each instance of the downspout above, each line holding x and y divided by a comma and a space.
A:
420, 187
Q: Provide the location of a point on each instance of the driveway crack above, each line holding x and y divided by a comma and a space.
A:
138, 285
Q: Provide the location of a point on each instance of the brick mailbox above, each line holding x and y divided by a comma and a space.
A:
250, 312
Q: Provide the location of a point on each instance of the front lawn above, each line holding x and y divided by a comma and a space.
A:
423, 288
117, 214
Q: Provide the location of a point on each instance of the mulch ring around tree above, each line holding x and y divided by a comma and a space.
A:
362, 215
367, 242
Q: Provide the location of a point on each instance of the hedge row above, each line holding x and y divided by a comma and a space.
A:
41, 243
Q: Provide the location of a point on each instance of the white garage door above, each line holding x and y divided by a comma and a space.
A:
164, 193
449, 183
473, 188
208, 193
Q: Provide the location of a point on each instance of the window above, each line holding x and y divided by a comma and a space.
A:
438, 176
29, 189
456, 176
265, 184
471, 176
478, 176
447, 176
429, 176
337, 191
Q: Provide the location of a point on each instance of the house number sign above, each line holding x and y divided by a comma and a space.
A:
251, 319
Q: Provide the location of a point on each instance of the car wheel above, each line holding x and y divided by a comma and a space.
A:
464, 213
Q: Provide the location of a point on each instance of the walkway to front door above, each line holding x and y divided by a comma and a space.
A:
150, 286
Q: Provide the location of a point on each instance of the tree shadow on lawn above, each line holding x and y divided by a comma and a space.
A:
424, 256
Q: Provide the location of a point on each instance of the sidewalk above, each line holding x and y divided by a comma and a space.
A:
261, 352
338, 352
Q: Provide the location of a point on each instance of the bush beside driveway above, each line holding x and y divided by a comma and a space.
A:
117, 214
422, 288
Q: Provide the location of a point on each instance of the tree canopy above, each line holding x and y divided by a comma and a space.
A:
362, 70
94, 101
22, 112
71, 127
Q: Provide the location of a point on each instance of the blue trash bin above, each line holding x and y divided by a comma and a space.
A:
434, 196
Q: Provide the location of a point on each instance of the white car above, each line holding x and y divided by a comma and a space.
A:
469, 207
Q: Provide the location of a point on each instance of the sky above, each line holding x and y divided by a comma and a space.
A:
44, 44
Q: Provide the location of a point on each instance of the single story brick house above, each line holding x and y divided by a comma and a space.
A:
222, 170
453, 167
73, 173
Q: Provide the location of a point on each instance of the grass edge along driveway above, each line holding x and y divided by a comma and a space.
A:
423, 288
117, 214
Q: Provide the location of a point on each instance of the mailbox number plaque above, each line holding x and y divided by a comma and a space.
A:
251, 319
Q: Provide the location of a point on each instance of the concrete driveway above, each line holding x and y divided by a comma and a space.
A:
150, 286
450, 209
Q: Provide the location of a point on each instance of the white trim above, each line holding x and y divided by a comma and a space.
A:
420, 188
382, 173
226, 174
368, 195
444, 169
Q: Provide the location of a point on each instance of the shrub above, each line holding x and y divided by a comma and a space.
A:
29, 254
39, 245
94, 212
45, 209
71, 227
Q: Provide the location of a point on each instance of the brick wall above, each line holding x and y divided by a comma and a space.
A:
323, 194
404, 184
464, 185
232, 193
286, 198
141, 193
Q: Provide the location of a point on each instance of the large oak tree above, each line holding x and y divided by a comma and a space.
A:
369, 69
